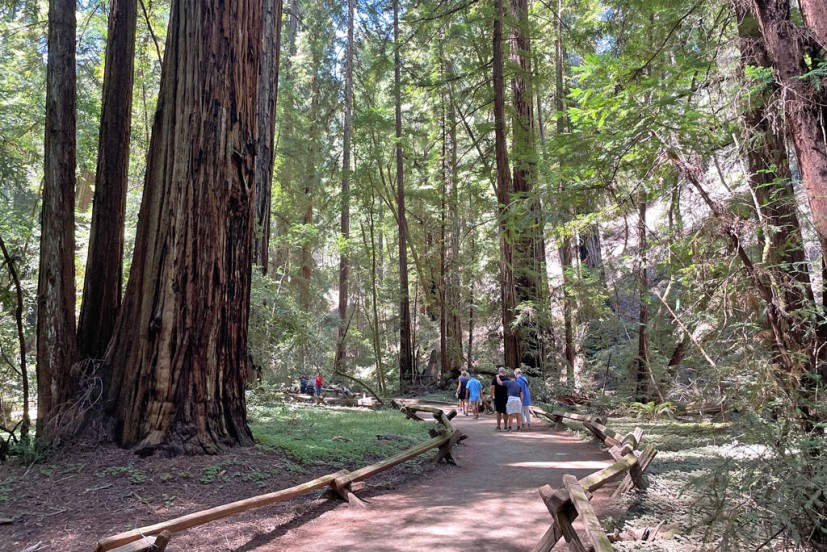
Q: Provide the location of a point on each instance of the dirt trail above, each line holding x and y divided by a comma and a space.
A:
488, 502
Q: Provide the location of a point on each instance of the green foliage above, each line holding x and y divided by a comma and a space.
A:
651, 411
133, 474
345, 436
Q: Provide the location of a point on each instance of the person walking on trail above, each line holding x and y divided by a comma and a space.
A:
526, 410
462, 392
318, 384
500, 394
474, 395
514, 404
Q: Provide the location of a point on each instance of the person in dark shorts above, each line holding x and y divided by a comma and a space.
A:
462, 392
514, 404
500, 394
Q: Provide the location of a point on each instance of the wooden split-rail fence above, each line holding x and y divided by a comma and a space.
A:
572, 500
345, 484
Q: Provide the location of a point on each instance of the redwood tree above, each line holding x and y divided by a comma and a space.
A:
344, 265
179, 352
405, 352
268, 77
529, 256
508, 300
104, 266
56, 339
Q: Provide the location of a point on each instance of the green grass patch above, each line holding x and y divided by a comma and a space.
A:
442, 396
310, 434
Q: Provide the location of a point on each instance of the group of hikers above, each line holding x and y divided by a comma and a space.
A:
309, 385
512, 398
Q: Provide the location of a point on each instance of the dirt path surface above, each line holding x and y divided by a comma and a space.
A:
488, 502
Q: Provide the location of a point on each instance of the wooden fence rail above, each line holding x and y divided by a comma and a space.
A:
572, 500
346, 484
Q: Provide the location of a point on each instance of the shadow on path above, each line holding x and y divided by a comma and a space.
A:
489, 502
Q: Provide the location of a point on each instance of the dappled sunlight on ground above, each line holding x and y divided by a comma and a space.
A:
489, 502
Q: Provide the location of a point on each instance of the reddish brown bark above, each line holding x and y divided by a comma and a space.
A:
770, 178
789, 49
795, 51
179, 352
508, 298
104, 266
56, 332
530, 281
268, 77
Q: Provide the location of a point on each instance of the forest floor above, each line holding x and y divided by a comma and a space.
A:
488, 502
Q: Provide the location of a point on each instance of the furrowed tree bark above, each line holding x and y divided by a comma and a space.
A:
103, 283
268, 78
508, 298
406, 371
529, 255
796, 52
179, 352
789, 47
344, 265
770, 178
56, 332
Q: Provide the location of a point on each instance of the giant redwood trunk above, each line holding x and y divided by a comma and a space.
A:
104, 266
508, 297
268, 77
179, 352
406, 370
56, 339
529, 254
796, 53
771, 180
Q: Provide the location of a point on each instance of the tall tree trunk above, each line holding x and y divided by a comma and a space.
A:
443, 253
770, 179
344, 267
794, 52
268, 78
310, 176
104, 266
406, 369
26, 423
179, 352
642, 391
287, 128
453, 284
56, 333
508, 299
565, 246
529, 255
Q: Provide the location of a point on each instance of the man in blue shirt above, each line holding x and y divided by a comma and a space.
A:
514, 403
474, 394
526, 403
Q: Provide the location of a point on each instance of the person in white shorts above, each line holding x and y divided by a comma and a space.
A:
514, 406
